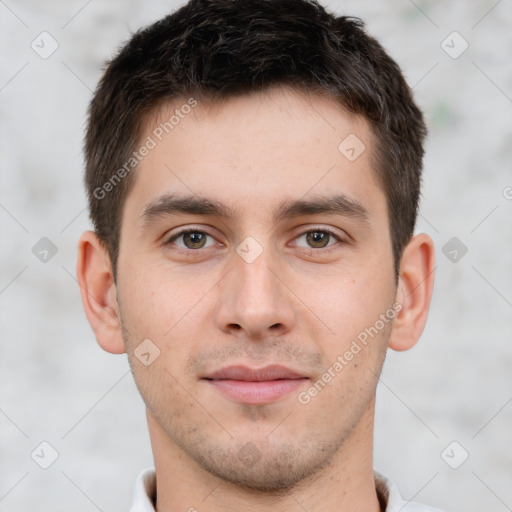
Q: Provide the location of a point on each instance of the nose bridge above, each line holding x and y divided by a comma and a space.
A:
256, 280
253, 298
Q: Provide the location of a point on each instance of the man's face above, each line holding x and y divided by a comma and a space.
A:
266, 286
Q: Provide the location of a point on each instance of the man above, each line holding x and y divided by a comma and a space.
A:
253, 170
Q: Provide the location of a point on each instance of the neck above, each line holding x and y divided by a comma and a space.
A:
345, 483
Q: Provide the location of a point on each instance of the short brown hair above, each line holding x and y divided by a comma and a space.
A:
214, 49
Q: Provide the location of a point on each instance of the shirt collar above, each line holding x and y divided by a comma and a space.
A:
145, 492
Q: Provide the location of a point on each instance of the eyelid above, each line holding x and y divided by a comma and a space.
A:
307, 228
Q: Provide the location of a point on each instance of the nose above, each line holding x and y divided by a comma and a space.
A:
254, 302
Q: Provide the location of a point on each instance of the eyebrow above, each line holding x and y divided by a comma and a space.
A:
171, 204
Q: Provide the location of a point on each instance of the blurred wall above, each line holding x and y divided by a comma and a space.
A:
444, 414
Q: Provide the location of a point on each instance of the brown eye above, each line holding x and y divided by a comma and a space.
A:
194, 240
318, 239
190, 239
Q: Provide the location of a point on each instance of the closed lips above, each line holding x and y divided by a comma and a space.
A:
244, 373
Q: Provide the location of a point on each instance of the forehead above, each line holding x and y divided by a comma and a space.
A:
249, 152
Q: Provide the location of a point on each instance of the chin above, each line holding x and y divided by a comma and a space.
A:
278, 470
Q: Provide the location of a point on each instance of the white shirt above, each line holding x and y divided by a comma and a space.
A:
387, 491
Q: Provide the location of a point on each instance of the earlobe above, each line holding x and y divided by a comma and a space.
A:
98, 292
414, 292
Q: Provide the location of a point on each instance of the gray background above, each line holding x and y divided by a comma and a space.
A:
58, 386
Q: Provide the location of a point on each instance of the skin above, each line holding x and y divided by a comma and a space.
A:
298, 304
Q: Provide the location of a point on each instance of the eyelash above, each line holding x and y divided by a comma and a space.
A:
309, 249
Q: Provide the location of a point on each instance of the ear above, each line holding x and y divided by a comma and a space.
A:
414, 292
98, 291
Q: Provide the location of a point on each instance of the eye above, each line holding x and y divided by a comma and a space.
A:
318, 239
191, 239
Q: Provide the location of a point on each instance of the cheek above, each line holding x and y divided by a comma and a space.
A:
171, 312
162, 312
349, 303
156, 302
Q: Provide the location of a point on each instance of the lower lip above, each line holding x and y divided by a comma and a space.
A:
250, 392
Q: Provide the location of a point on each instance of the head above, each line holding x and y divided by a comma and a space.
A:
213, 51
287, 142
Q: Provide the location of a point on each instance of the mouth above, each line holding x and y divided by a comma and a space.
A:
255, 386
